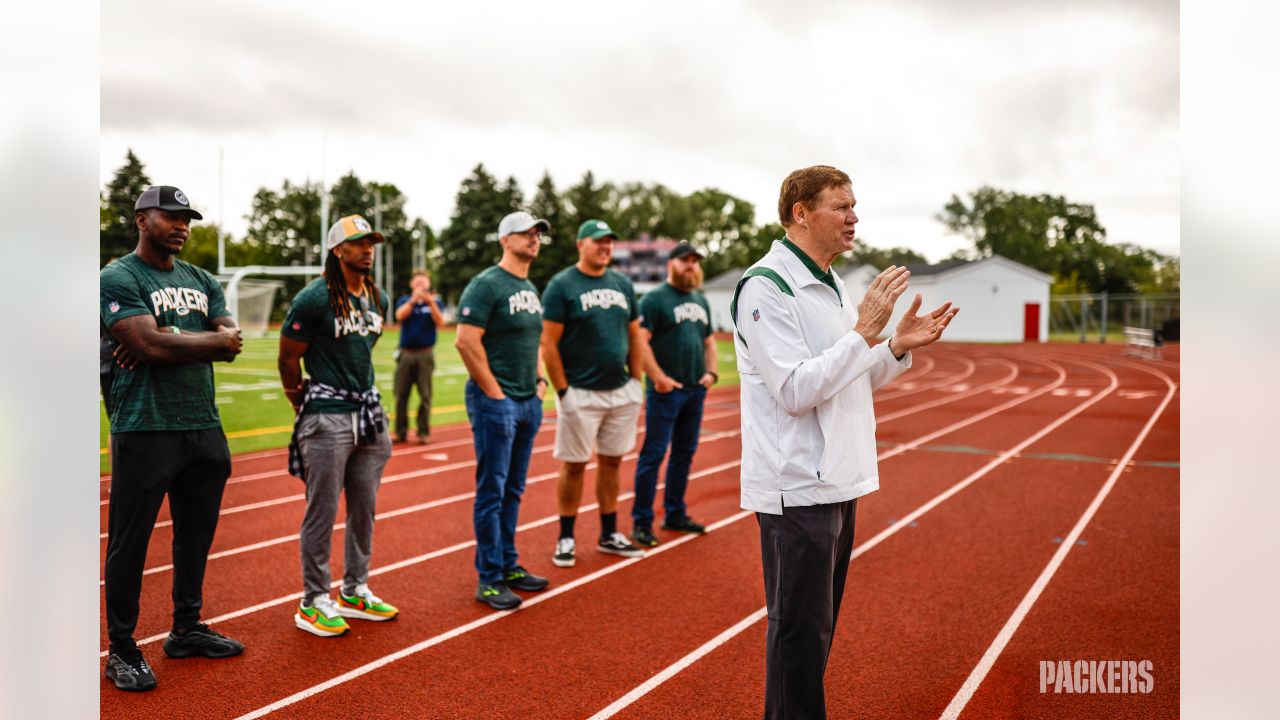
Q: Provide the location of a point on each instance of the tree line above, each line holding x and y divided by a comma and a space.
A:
1061, 238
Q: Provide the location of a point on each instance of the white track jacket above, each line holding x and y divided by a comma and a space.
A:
808, 425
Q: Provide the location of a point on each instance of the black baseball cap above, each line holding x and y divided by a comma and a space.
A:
684, 250
165, 197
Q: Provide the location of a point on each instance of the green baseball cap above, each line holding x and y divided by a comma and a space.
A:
596, 229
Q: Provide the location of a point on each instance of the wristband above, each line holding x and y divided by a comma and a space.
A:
541, 380
714, 377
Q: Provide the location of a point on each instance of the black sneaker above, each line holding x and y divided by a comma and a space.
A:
497, 596
683, 524
200, 640
616, 544
520, 579
130, 671
643, 536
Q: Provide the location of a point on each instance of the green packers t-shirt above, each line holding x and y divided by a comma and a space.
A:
680, 322
508, 309
161, 397
340, 350
595, 312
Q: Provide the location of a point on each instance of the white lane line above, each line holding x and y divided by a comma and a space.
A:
971, 368
1013, 373
950, 428
684, 662
408, 562
673, 669
481, 622
381, 662
988, 660
460, 497
390, 479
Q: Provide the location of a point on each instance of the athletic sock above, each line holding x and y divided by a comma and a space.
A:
566, 525
608, 524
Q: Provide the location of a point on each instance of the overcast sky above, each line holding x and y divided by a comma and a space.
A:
916, 100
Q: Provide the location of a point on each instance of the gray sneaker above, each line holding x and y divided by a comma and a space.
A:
497, 596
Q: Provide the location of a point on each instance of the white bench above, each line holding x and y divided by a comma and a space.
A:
1141, 342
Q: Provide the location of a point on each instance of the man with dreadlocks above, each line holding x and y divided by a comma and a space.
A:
340, 435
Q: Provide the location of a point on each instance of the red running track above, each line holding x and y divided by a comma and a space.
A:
991, 455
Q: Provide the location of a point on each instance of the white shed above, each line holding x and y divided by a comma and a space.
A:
719, 293
857, 280
1000, 300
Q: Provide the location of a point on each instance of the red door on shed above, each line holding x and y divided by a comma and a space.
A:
1031, 322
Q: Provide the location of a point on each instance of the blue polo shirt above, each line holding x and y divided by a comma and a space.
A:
418, 330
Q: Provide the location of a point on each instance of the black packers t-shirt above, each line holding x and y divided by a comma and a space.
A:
508, 309
595, 312
340, 350
680, 322
161, 397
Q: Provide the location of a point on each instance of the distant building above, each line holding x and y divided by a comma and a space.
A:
644, 260
719, 293
1000, 300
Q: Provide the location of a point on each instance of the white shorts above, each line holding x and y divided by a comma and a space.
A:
603, 421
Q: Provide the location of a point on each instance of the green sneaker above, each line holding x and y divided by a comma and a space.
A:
321, 617
365, 605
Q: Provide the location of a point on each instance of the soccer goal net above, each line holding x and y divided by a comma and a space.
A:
254, 300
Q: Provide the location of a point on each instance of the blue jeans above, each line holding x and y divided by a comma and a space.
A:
674, 419
503, 432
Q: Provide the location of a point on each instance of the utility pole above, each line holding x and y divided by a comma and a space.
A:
222, 249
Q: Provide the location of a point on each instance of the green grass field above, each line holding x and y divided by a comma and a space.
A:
256, 416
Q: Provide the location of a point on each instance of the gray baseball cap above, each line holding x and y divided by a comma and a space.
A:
521, 221
165, 197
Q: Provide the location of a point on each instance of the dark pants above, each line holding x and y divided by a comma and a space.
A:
415, 366
503, 432
674, 419
192, 467
805, 552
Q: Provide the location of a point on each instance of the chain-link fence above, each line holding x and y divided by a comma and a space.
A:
1102, 317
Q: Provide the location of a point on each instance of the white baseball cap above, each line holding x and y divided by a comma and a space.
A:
521, 221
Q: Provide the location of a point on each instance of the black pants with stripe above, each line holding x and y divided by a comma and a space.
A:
805, 552
191, 467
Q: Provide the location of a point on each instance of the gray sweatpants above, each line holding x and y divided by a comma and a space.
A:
334, 463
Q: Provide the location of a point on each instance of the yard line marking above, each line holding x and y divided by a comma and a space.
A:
408, 562
988, 660
684, 662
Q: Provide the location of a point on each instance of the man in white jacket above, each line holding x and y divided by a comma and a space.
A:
809, 364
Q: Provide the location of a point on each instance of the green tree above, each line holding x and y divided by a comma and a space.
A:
284, 229
118, 235
586, 201
559, 250
469, 244
881, 258
1050, 234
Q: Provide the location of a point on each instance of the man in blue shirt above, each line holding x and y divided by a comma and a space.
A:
419, 315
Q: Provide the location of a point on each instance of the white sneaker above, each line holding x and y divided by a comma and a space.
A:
320, 617
566, 553
363, 604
